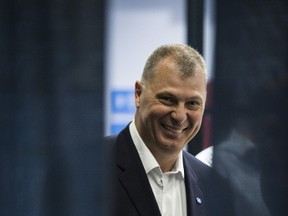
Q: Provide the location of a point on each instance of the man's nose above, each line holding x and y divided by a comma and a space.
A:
179, 114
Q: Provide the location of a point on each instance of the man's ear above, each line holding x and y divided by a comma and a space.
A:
138, 91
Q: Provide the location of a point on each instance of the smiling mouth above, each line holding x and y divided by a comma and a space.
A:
173, 129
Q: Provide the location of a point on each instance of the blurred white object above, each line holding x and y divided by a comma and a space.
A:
206, 156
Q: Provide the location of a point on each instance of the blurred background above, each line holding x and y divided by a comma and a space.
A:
67, 74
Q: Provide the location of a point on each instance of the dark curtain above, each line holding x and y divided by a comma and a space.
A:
51, 86
250, 109
195, 13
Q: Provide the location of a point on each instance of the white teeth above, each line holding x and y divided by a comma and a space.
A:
173, 129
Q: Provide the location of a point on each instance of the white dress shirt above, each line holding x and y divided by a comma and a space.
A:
168, 187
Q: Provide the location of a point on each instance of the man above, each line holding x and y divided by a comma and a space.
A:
153, 175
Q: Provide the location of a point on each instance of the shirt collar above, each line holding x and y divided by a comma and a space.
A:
147, 158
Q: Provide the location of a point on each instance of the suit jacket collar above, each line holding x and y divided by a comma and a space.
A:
133, 176
194, 194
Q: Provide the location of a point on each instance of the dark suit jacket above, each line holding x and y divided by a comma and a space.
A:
132, 193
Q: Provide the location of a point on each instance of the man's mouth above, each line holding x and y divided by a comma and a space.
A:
173, 129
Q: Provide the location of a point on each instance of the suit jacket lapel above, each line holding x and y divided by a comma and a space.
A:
133, 176
194, 194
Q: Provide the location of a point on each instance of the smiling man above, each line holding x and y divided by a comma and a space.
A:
154, 176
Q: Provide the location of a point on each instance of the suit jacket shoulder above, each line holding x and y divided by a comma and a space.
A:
201, 170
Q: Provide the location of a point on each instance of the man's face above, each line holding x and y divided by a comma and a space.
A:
169, 108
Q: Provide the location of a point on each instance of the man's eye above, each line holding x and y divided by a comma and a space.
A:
194, 104
166, 100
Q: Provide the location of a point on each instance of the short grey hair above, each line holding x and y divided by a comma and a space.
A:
187, 58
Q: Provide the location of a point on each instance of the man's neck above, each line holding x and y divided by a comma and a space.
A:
166, 160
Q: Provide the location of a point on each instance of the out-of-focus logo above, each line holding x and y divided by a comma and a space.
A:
122, 101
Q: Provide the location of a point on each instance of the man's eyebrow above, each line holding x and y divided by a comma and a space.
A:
165, 94
196, 97
169, 94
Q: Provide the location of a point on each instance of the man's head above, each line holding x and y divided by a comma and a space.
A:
187, 59
170, 98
